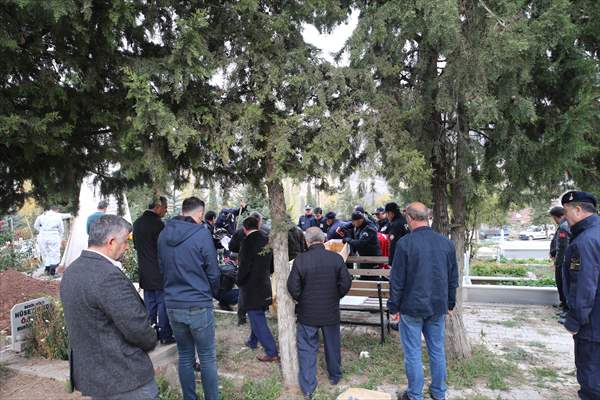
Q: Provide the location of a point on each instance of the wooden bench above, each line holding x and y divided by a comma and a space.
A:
374, 291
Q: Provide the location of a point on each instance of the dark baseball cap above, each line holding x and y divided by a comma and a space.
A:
357, 215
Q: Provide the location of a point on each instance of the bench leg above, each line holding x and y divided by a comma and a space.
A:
381, 313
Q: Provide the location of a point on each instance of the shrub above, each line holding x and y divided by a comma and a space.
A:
130, 265
497, 269
49, 338
15, 255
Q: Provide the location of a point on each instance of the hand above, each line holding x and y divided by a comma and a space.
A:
242, 204
395, 317
450, 313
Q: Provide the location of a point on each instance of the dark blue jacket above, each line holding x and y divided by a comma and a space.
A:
424, 275
331, 229
227, 219
305, 222
581, 272
188, 262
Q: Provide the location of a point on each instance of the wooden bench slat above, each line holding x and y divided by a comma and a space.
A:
368, 293
370, 284
367, 260
370, 272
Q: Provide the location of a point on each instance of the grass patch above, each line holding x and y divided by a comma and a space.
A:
384, 365
165, 391
482, 366
509, 323
545, 374
265, 389
539, 345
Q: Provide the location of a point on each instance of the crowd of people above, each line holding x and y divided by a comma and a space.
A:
185, 265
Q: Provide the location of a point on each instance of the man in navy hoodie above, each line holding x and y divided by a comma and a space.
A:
188, 261
422, 291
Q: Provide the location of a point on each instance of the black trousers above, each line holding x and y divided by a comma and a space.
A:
587, 361
559, 284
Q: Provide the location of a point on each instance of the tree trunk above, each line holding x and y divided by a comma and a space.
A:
286, 316
457, 342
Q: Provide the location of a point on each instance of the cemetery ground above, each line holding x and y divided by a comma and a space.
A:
520, 352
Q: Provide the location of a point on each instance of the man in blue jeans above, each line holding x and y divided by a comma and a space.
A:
188, 260
422, 291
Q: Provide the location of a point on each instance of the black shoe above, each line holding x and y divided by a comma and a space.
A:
197, 366
169, 340
52, 270
334, 382
403, 396
225, 307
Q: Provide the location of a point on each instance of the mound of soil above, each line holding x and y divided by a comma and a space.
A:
16, 287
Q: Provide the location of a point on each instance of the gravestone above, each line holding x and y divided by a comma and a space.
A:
21, 317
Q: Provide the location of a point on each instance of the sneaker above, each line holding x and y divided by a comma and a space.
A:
266, 358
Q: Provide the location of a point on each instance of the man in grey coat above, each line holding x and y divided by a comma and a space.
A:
109, 332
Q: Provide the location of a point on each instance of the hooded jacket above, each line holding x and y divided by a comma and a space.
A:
188, 262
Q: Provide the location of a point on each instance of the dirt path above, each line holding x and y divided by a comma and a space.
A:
19, 386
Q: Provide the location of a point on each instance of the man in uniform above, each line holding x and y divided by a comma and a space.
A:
51, 229
382, 222
308, 219
558, 245
581, 277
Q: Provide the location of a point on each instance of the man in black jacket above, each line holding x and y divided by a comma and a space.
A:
256, 267
397, 227
362, 238
145, 240
318, 280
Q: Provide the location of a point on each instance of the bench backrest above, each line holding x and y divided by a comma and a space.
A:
369, 289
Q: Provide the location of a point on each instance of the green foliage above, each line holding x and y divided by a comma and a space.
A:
49, 338
165, 391
543, 282
130, 265
16, 255
491, 268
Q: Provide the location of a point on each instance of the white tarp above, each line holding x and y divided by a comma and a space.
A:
89, 197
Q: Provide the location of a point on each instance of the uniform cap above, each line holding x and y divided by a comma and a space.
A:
579, 197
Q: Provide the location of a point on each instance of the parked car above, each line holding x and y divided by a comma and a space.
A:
491, 233
535, 232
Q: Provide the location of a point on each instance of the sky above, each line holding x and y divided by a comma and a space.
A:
333, 42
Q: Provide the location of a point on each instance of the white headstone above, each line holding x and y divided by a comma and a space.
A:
21, 317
